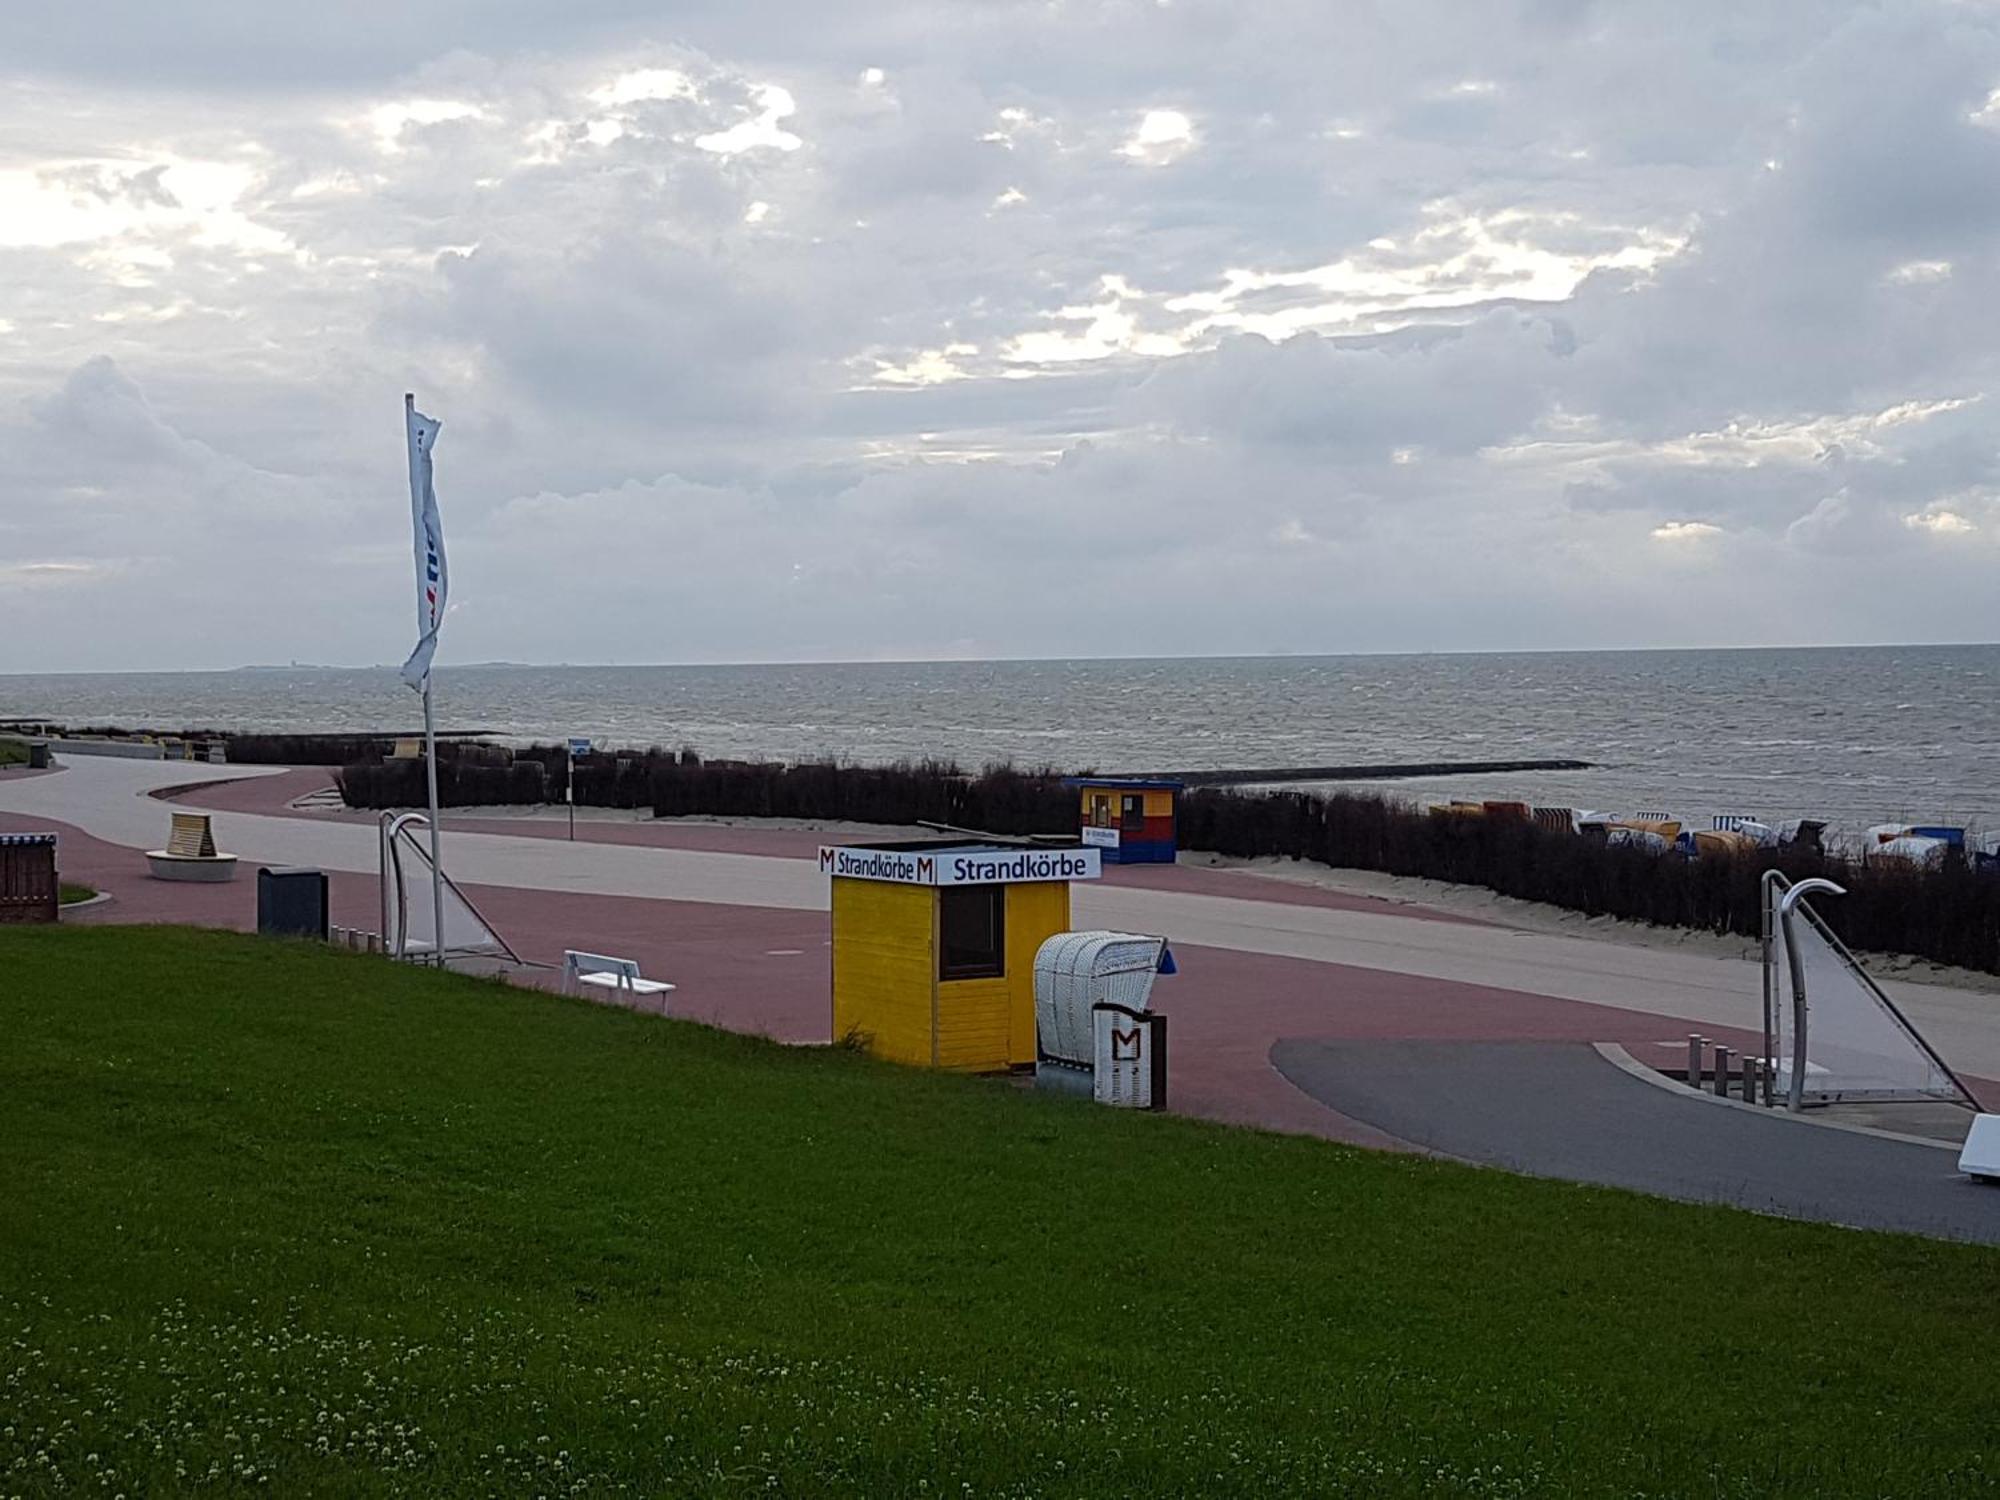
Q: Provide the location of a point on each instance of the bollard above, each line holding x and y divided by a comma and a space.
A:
1722, 1055
1753, 1073
1694, 1059
374, 943
337, 935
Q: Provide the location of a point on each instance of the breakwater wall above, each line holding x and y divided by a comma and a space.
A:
1393, 772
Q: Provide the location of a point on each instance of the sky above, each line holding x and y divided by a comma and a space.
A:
970, 328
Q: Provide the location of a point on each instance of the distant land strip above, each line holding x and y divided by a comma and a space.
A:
1363, 773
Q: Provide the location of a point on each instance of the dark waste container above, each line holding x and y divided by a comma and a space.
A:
291, 903
38, 755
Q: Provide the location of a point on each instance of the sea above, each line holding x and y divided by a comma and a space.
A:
1854, 735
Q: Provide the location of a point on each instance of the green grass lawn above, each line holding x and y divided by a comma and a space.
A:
280, 1219
13, 752
69, 893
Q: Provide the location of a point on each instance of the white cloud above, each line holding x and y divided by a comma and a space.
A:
48, 575
644, 85
1685, 531
1478, 340
1162, 136
762, 131
1939, 522
391, 121
1920, 272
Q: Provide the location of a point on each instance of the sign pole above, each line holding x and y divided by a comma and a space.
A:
569, 791
420, 432
437, 857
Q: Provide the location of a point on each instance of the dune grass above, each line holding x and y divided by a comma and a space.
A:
275, 1218
13, 752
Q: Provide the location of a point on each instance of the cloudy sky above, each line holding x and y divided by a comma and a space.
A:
977, 328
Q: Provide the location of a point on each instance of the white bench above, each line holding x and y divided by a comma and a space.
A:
601, 971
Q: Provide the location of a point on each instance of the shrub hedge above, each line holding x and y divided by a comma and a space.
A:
1950, 914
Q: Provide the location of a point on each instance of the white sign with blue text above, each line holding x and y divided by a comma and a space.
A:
959, 866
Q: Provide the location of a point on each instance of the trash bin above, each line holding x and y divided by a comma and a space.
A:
38, 755
292, 903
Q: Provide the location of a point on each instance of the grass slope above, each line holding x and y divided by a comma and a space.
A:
283, 1219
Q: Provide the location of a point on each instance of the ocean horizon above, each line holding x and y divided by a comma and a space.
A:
1855, 734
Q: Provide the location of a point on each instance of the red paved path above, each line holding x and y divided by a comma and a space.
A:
273, 796
766, 970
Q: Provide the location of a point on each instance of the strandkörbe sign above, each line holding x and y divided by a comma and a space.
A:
959, 866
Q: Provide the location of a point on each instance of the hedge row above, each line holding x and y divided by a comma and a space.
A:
1000, 800
1949, 914
338, 749
472, 775
241, 749
300, 749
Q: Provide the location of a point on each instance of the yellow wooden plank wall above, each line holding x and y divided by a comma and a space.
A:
885, 967
1036, 912
884, 977
973, 1024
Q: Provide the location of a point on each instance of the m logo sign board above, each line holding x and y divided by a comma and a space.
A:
1129, 1068
964, 866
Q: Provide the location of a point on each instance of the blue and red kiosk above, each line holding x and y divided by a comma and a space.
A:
1130, 820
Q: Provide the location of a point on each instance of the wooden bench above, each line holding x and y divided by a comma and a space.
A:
601, 971
191, 853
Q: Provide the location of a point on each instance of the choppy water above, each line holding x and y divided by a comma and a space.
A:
1856, 735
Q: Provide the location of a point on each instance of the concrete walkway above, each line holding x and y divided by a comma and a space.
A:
1561, 1110
108, 799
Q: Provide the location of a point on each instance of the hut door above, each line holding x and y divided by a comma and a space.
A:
1100, 810
1132, 813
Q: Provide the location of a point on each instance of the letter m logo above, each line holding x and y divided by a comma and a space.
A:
1125, 1045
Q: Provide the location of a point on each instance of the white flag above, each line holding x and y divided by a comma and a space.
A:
431, 576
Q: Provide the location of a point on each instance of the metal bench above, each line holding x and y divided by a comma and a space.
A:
601, 971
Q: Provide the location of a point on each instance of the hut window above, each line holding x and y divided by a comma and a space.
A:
973, 922
1132, 815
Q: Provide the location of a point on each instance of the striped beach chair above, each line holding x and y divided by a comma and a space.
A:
1556, 819
1731, 822
191, 837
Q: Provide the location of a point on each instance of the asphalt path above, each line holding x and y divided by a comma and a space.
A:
1558, 1109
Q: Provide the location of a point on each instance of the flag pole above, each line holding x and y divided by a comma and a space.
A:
431, 779
437, 858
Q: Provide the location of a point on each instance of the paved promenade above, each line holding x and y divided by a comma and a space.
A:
735, 916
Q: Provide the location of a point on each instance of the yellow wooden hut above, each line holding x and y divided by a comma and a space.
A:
934, 947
